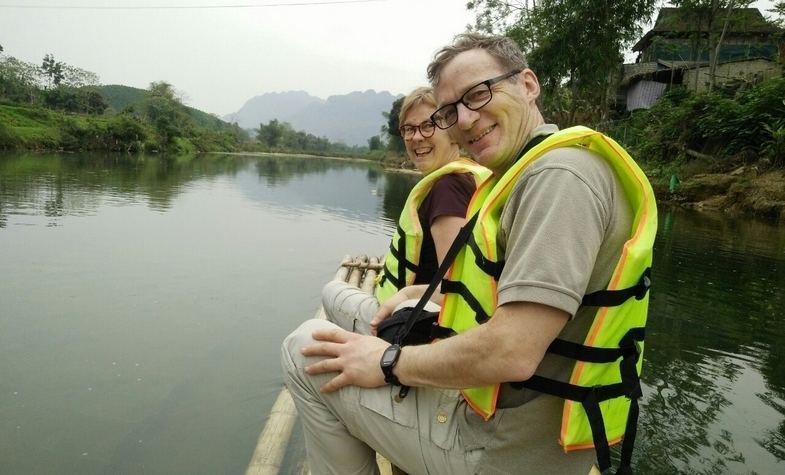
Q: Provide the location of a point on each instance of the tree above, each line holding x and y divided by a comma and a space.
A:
78, 77
375, 143
18, 80
395, 144
270, 135
71, 99
499, 16
575, 46
53, 70
777, 9
164, 111
706, 15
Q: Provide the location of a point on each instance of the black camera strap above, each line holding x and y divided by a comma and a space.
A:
455, 247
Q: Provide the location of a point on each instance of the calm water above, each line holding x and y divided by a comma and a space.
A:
142, 302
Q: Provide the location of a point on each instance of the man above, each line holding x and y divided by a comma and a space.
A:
552, 230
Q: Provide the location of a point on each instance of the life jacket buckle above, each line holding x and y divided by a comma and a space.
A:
440, 332
643, 287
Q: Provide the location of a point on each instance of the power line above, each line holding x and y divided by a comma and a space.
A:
186, 7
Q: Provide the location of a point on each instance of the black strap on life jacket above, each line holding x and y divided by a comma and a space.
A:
590, 397
399, 281
458, 287
614, 298
493, 269
452, 252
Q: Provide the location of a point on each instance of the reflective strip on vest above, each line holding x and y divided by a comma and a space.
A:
409, 235
610, 324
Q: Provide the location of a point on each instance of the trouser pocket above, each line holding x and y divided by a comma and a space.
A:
443, 428
383, 401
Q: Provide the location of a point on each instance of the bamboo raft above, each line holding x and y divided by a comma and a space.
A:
268, 457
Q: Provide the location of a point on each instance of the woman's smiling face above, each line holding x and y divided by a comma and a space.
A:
427, 153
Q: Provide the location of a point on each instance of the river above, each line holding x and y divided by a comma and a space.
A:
143, 301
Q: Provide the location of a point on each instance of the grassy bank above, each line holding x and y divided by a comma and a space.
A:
37, 128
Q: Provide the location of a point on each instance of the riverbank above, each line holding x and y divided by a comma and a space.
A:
295, 155
39, 129
745, 190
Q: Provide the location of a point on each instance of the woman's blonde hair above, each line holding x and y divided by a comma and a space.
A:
421, 95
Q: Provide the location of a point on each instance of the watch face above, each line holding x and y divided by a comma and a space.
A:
389, 355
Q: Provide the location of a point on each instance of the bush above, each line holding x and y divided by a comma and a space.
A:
125, 133
76, 100
7, 137
774, 148
747, 124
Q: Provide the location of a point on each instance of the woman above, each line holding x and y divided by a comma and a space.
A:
433, 215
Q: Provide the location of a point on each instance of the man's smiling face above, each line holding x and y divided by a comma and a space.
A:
494, 133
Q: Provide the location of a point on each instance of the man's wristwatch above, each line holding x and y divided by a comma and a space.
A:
389, 359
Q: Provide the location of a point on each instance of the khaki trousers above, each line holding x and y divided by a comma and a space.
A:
431, 431
344, 430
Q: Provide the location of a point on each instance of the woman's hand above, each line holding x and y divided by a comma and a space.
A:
386, 309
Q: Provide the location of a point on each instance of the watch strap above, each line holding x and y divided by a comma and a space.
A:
387, 369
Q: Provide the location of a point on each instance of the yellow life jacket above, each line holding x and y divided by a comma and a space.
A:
401, 262
605, 378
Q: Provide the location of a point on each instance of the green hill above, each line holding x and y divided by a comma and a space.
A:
119, 97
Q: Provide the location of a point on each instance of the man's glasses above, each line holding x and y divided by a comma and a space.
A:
426, 129
474, 99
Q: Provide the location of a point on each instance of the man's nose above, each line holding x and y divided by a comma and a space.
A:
466, 116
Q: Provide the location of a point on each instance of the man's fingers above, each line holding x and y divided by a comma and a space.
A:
322, 349
328, 365
335, 384
335, 335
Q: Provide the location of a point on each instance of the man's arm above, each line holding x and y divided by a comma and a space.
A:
507, 348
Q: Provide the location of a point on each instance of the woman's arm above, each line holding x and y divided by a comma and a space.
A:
444, 230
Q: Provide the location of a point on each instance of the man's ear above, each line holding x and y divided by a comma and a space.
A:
530, 85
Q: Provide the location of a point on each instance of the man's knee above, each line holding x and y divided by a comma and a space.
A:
291, 355
331, 291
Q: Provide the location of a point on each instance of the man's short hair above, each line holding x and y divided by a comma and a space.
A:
421, 95
505, 50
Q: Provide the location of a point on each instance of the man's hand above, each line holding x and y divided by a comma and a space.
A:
354, 357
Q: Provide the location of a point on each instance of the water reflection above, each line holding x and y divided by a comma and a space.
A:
714, 393
398, 187
55, 185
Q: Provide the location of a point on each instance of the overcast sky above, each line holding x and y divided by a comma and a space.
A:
220, 57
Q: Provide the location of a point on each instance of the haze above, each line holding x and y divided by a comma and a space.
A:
220, 57
220, 53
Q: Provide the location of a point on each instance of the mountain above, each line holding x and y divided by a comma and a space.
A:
349, 118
